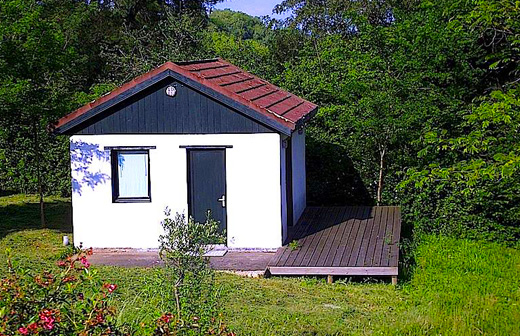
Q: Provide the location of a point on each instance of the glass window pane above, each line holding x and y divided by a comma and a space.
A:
133, 174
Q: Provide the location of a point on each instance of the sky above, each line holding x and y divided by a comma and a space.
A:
252, 7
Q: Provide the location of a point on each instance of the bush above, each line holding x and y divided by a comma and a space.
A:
182, 248
67, 300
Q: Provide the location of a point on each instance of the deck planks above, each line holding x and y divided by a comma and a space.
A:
299, 231
380, 240
366, 238
316, 237
396, 236
354, 240
348, 225
329, 234
387, 239
305, 241
340, 229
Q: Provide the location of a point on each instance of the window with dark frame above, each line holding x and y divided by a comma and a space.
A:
130, 175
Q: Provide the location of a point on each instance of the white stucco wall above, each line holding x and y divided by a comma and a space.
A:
298, 175
253, 189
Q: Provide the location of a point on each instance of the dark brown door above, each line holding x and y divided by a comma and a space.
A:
207, 185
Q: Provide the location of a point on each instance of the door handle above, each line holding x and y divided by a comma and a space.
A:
223, 200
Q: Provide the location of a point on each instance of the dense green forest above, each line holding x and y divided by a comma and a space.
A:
419, 100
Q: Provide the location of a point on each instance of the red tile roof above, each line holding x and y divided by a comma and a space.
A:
229, 80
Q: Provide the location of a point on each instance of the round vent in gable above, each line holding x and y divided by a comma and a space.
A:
171, 91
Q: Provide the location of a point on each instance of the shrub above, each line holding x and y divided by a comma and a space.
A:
182, 248
67, 300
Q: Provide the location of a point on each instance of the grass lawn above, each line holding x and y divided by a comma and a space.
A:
459, 287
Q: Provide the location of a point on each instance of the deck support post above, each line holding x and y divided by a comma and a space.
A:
330, 279
394, 280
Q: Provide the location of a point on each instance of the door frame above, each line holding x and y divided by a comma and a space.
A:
189, 149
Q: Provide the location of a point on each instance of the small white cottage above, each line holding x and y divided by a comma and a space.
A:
191, 136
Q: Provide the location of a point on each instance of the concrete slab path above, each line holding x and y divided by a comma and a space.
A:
231, 261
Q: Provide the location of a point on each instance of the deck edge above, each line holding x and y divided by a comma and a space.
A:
367, 271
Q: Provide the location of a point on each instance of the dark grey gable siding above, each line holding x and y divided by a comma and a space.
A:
152, 111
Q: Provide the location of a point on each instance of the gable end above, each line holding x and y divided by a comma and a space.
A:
151, 111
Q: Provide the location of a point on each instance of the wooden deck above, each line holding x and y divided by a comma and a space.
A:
355, 240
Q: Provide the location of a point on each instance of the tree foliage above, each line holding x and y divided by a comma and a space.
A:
240, 25
475, 163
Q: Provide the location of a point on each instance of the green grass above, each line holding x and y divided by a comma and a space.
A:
464, 287
458, 287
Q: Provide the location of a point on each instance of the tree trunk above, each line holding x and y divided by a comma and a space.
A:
178, 283
382, 153
42, 207
177, 302
37, 152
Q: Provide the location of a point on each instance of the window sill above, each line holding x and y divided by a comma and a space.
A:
132, 200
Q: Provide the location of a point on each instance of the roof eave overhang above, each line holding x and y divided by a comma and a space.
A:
283, 126
305, 119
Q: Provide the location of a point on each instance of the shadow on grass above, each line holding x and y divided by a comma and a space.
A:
6, 193
26, 216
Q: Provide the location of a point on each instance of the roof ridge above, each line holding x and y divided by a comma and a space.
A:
206, 60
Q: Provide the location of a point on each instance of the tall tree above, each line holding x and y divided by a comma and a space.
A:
37, 74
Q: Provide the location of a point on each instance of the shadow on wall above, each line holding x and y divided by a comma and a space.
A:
332, 178
82, 154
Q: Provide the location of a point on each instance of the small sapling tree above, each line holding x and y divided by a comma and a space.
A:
182, 248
